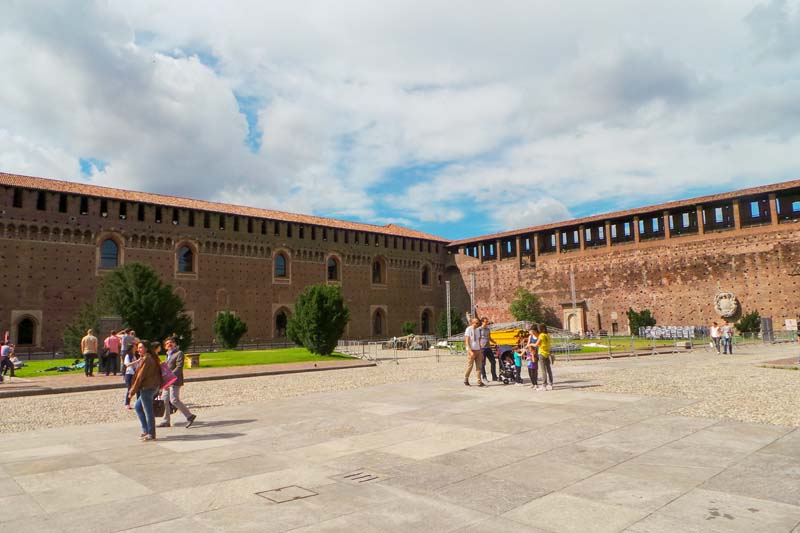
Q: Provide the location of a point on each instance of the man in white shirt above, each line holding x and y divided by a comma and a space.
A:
472, 341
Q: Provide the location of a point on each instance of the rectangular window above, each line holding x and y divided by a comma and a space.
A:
377, 239
355, 237
576, 237
289, 230
404, 243
685, 220
336, 235
412, 244
41, 201
249, 225
176, 216
158, 214
191, 219
491, 250
84, 206
796, 207
103, 208
140, 214
221, 222
437, 247
235, 223
601, 233
278, 228
626, 229
263, 227
613, 229
346, 236
62, 203
754, 211
641, 227
395, 242
366, 239
324, 234
527, 244
508, 247
313, 233
563, 239
718, 215
301, 232
385, 241
17, 198
206, 220
553, 240
655, 225
123, 210
588, 235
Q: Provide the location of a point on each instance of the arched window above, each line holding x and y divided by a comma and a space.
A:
378, 270
426, 275
333, 269
25, 331
377, 323
185, 259
280, 266
109, 254
280, 324
426, 322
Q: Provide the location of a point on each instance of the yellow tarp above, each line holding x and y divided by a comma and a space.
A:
508, 336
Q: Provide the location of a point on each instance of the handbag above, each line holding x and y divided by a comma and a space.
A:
158, 407
168, 377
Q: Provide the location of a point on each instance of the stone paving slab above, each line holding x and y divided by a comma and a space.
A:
426, 457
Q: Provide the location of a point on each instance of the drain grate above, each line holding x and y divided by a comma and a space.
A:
286, 494
360, 476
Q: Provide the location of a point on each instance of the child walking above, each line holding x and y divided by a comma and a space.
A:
543, 346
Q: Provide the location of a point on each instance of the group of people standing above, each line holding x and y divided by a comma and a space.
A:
722, 337
143, 374
115, 347
533, 349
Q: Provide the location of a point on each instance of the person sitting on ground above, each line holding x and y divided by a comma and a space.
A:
14, 360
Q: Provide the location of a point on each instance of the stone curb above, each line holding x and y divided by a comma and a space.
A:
121, 385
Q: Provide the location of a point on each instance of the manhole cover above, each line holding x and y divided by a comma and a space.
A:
360, 476
286, 494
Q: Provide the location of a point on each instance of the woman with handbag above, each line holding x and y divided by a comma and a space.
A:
146, 383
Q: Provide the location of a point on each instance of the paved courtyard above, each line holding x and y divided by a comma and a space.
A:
413, 456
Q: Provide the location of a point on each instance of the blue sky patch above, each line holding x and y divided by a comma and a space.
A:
90, 165
249, 106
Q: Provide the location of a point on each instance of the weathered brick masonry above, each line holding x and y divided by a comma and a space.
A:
58, 239
52, 234
749, 246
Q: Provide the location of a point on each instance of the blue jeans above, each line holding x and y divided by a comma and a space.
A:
144, 410
727, 345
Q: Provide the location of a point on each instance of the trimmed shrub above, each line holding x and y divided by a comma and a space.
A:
229, 329
320, 316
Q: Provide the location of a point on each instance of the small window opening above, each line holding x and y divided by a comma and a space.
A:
140, 214
103, 208
123, 210
206, 220
41, 201
158, 214
62, 203
17, 197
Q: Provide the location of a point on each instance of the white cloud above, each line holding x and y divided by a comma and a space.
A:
546, 107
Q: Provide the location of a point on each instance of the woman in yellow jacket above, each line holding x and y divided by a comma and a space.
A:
543, 344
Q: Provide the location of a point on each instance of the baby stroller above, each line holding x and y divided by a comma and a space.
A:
508, 371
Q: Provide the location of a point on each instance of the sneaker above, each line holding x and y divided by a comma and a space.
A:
164, 425
128, 407
539, 387
190, 421
549, 387
148, 438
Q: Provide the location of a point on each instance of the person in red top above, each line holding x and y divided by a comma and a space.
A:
112, 344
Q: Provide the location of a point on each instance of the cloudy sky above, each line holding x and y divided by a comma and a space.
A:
455, 118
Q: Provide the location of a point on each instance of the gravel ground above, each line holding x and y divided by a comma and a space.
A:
725, 387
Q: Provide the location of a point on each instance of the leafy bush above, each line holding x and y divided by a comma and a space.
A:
527, 306
409, 327
135, 293
749, 323
457, 326
229, 329
319, 318
640, 319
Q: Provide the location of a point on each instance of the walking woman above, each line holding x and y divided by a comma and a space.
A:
146, 383
543, 346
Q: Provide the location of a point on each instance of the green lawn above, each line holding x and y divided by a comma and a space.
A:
263, 357
207, 360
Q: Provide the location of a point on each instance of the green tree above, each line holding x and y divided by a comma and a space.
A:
457, 326
320, 316
409, 327
229, 329
640, 319
749, 323
137, 295
87, 318
527, 306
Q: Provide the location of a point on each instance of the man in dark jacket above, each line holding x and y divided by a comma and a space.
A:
172, 394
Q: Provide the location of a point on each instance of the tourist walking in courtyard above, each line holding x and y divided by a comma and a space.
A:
6, 353
716, 335
130, 364
532, 359
112, 345
172, 394
543, 347
472, 342
727, 338
486, 349
89, 351
146, 383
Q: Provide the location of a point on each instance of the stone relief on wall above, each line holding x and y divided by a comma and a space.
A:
725, 304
